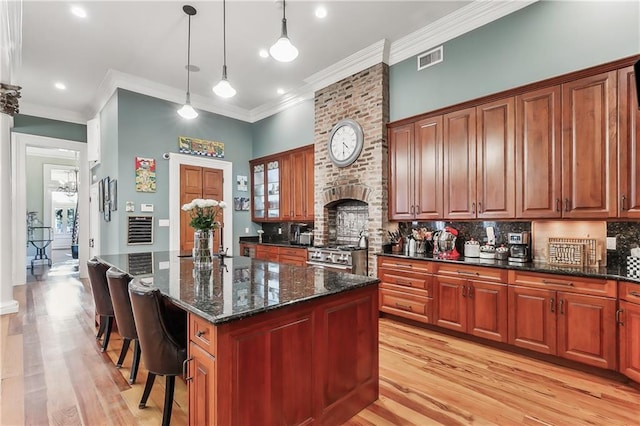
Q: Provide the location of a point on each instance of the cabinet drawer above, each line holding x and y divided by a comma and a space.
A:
472, 272
568, 283
202, 333
419, 266
292, 260
629, 292
407, 279
405, 305
294, 252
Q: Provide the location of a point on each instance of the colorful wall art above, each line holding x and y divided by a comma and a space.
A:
145, 174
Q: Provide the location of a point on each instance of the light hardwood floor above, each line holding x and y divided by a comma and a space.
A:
53, 373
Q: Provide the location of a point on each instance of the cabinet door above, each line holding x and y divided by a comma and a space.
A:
309, 183
495, 170
629, 341
538, 154
401, 190
487, 306
629, 149
201, 386
273, 189
532, 319
460, 164
589, 147
451, 302
288, 187
258, 193
587, 329
427, 176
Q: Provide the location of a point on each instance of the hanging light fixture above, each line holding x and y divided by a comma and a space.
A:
187, 110
283, 50
223, 88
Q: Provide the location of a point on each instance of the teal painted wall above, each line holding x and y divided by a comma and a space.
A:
51, 128
149, 127
285, 130
545, 39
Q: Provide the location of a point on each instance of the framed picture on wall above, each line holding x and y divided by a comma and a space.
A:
113, 194
101, 196
106, 207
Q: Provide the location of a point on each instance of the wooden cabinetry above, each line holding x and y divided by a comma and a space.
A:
406, 288
267, 252
629, 327
479, 167
415, 162
283, 186
201, 375
589, 120
570, 317
538, 154
287, 255
472, 300
629, 145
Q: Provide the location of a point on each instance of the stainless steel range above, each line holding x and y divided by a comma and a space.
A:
351, 259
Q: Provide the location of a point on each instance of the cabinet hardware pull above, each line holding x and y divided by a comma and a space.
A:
634, 293
200, 333
184, 368
473, 208
561, 306
618, 313
566, 204
403, 282
403, 265
558, 209
475, 274
552, 305
470, 292
417, 209
569, 284
464, 291
413, 210
624, 202
405, 307
480, 207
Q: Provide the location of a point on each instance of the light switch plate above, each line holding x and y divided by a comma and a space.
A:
611, 243
146, 207
163, 223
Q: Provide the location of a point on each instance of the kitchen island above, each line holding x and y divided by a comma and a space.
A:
269, 343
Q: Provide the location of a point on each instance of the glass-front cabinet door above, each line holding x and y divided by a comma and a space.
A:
266, 191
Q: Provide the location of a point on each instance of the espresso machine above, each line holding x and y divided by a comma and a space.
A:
519, 246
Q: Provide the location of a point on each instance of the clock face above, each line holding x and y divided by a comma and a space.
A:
345, 142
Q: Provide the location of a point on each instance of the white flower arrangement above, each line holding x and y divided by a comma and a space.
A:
204, 212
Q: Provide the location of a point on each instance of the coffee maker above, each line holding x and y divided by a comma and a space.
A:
519, 246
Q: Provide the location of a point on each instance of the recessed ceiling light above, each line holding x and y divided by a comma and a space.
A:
263, 53
78, 11
321, 12
60, 86
280, 91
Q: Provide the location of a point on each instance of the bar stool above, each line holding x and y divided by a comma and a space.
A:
119, 288
101, 299
162, 331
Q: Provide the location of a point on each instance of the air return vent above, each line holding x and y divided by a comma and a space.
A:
432, 57
140, 230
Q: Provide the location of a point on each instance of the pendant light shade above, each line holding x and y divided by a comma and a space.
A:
187, 112
282, 50
224, 88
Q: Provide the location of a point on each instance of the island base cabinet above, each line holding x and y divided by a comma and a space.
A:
201, 382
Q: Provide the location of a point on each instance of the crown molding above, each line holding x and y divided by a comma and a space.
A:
468, 18
58, 114
289, 100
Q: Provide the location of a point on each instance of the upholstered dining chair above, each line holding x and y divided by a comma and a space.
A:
119, 288
101, 299
162, 332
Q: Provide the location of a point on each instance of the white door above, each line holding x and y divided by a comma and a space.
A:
63, 212
94, 222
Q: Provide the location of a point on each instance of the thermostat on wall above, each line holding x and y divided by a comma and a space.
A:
146, 207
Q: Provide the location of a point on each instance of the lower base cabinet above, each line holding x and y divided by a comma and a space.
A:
629, 323
202, 384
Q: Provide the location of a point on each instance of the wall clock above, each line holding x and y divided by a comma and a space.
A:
345, 142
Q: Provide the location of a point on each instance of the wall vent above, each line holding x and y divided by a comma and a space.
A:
432, 57
140, 230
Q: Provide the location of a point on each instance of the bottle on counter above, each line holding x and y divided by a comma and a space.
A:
412, 247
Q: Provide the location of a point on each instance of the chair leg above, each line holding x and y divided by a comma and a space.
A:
147, 390
123, 352
103, 322
107, 333
136, 361
168, 400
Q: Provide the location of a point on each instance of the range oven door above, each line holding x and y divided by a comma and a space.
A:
330, 266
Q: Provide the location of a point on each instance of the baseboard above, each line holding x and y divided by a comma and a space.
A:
10, 307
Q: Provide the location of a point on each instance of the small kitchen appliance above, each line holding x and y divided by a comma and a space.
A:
444, 243
472, 248
519, 247
295, 231
306, 238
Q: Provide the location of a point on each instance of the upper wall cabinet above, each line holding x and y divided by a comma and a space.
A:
538, 154
629, 148
415, 162
589, 120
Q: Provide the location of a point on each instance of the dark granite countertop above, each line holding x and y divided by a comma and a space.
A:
239, 288
611, 273
254, 240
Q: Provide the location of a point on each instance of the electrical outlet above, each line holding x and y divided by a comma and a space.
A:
246, 230
611, 243
279, 231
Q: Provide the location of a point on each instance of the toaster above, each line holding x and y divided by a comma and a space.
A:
306, 238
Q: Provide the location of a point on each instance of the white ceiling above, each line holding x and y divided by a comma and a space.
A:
142, 46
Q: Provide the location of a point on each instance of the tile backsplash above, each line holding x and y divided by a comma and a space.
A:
627, 237
468, 230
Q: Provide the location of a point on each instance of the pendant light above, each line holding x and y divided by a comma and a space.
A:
223, 88
187, 112
283, 50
